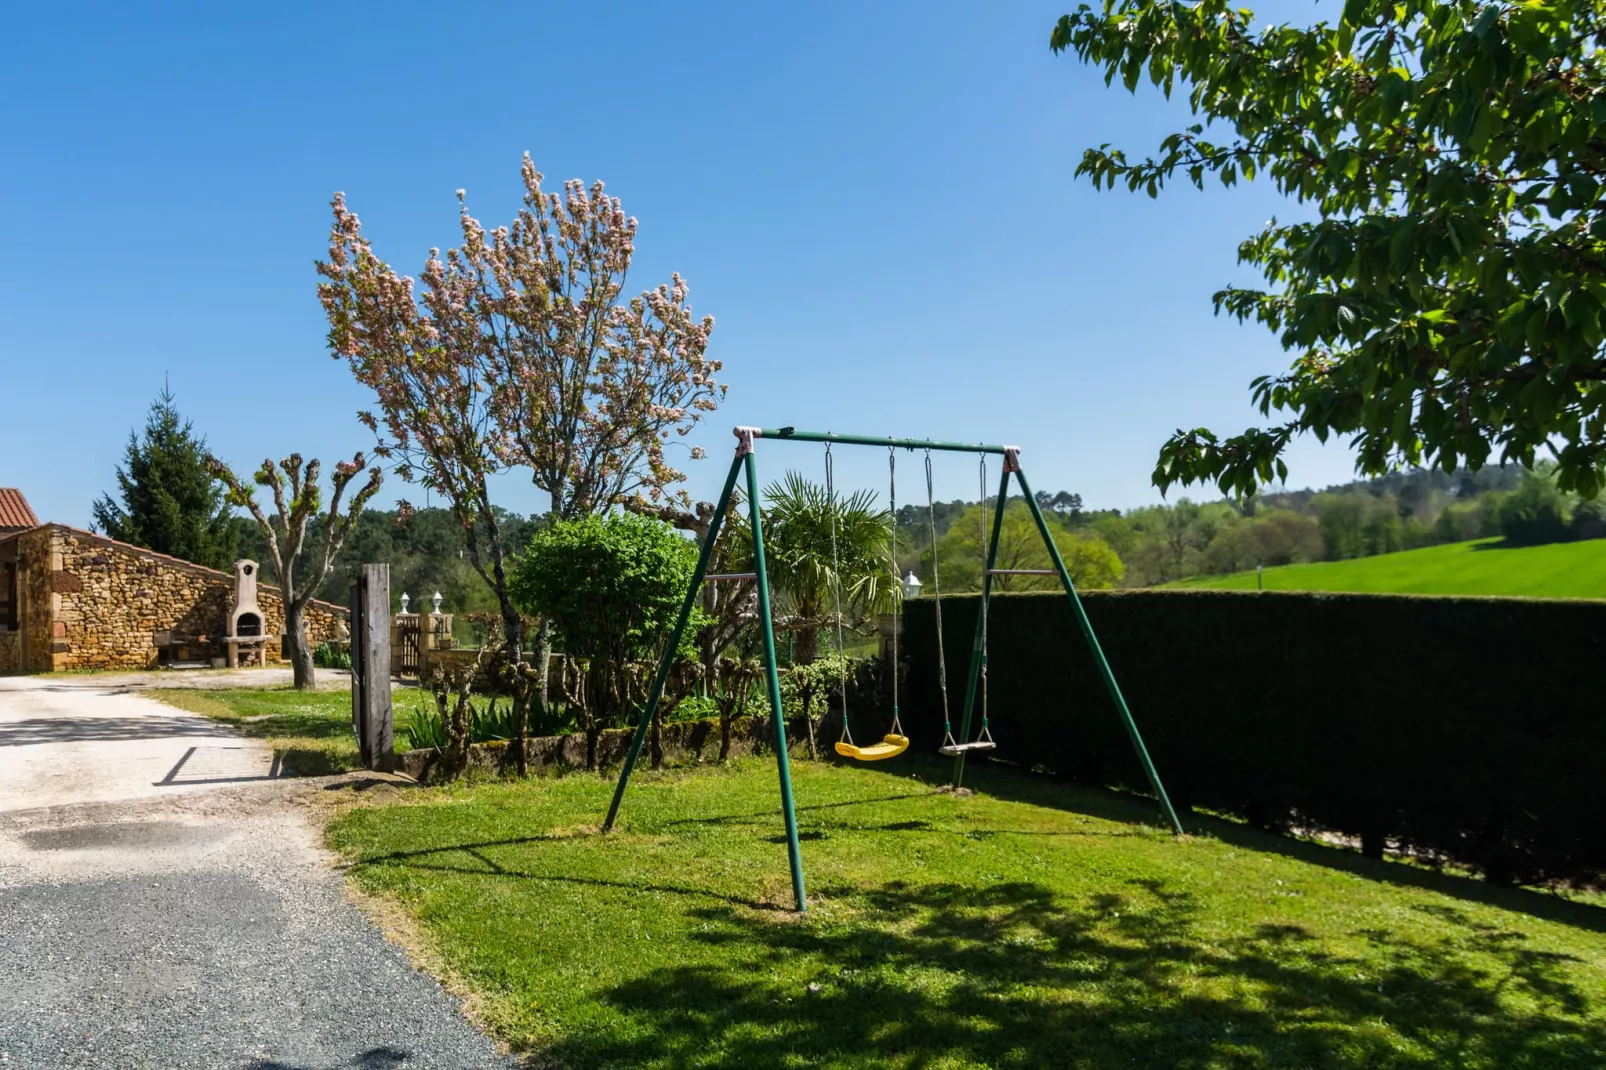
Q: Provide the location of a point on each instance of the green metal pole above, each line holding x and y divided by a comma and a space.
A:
668, 661
781, 760
1098, 652
978, 646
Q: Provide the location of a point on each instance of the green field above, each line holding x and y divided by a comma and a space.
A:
1032, 925
1484, 566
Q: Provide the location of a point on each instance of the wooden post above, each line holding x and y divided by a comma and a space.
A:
359, 669
370, 668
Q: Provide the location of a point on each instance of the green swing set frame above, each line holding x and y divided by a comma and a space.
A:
744, 463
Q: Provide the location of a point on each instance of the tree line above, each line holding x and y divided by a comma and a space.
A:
168, 501
1161, 543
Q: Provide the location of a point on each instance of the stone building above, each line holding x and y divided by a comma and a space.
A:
15, 517
71, 599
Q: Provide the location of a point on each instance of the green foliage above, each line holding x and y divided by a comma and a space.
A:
798, 550
1449, 300
611, 585
1035, 924
170, 503
487, 723
327, 657
695, 708
1358, 524
1169, 543
1534, 513
962, 552
1589, 521
1325, 712
1270, 537
1481, 567
807, 689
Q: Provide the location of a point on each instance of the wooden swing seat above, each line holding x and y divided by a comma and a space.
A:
953, 750
890, 747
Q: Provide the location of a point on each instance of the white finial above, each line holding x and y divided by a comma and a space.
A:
404, 601
435, 600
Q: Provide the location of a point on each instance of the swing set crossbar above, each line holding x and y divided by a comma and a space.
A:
1019, 572
794, 435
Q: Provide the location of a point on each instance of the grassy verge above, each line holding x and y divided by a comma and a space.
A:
1482, 567
309, 730
1031, 925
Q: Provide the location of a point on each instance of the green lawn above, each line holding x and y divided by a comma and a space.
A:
309, 730
1561, 570
1033, 925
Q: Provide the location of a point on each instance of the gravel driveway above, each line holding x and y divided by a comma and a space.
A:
164, 903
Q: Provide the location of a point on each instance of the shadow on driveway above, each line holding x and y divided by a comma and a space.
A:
102, 729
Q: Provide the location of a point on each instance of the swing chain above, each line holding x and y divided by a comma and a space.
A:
836, 588
985, 734
936, 605
897, 590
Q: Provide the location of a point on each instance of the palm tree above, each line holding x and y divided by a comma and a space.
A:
803, 568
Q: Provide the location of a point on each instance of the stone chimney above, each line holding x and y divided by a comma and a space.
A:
245, 616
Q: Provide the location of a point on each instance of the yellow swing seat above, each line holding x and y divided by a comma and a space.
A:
890, 747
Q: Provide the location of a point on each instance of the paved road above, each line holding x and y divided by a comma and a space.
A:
164, 903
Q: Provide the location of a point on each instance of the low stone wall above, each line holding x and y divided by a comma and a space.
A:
682, 741
10, 651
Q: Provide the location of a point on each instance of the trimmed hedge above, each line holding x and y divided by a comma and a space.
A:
1467, 729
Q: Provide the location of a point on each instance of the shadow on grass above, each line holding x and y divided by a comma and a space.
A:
431, 858
1015, 785
1007, 976
307, 744
770, 814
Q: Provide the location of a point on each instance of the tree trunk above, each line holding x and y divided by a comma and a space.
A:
806, 700
657, 738
602, 706
513, 636
295, 641
543, 663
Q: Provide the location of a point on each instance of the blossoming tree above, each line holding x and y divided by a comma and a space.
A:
518, 350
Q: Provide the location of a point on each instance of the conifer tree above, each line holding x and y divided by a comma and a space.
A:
170, 502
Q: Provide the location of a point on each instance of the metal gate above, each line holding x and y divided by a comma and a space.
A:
407, 654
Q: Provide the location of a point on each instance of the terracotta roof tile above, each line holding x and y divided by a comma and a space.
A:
14, 510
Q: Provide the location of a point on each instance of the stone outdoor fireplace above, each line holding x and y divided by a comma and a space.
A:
245, 629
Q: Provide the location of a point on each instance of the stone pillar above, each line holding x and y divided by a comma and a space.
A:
437, 631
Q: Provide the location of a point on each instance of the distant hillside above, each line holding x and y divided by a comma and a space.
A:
1483, 566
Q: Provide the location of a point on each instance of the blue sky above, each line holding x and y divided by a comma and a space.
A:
875, 202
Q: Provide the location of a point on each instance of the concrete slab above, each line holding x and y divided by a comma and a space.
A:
77, 742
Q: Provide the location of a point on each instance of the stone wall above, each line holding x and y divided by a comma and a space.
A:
107, 601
